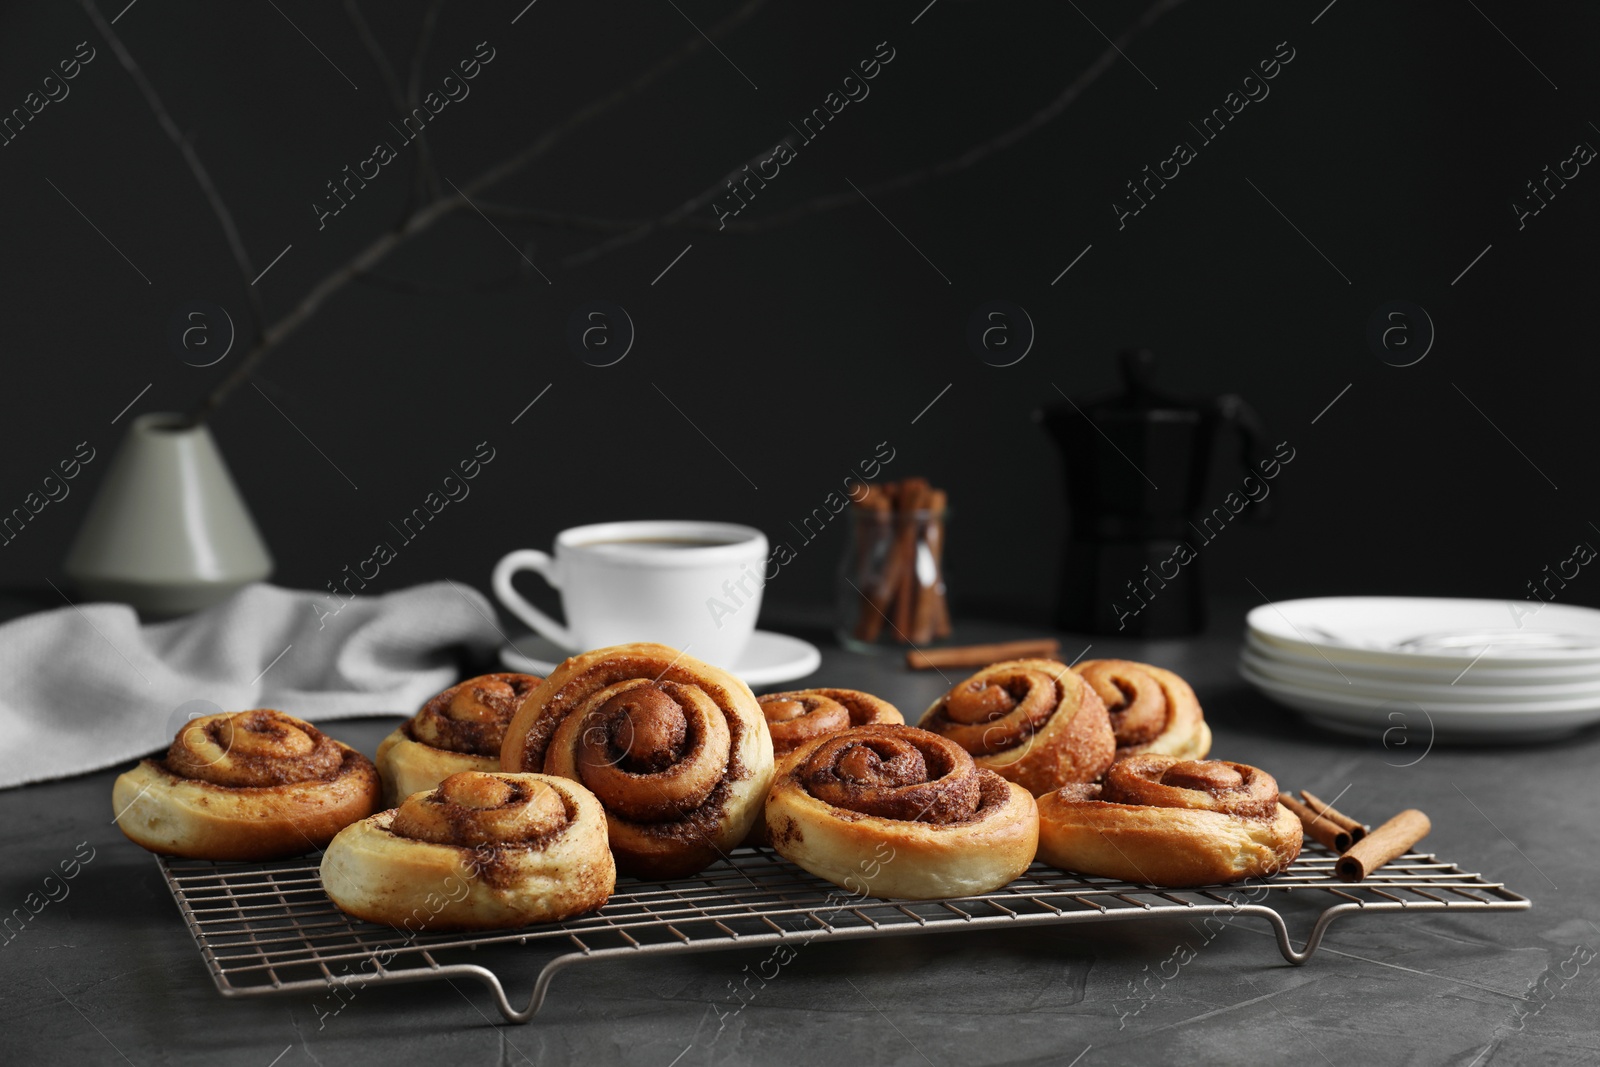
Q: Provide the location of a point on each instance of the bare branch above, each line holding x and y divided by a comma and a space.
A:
600, 105
1103, 62
426, 216
202, 177
427, 174
380, 58
275, 334
521, 274
678, 218
678, 214
560, 220
418, 192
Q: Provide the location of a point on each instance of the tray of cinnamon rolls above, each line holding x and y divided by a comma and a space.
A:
639, 799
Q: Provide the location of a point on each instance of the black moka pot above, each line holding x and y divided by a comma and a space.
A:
1135, 465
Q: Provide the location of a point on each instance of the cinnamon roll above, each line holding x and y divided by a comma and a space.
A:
460, 729
1032, 721
894, 811
1152, 710
677, 751
1164, 821
482, 851
802, 715
249, 785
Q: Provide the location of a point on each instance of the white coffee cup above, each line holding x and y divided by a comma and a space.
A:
695, 586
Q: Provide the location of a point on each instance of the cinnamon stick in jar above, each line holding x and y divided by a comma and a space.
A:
1354, 829
878, 503
915, 493
899, 565
925, 615
941, 611
1393, 839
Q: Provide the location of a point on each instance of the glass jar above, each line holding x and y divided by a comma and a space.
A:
891, 589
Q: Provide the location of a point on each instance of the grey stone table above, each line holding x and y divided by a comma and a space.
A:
108, 973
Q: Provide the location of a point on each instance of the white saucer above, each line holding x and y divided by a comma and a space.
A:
769, 658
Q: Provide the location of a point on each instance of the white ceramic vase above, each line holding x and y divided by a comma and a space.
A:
167, 531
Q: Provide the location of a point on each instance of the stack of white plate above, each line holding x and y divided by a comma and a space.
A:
1416, 669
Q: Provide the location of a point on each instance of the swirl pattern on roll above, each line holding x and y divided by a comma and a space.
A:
473, 809
1200, 785
903, 774
653, 751
1032, 721
472, 717
248, 785
801, 715
1166, 821
896, 811
460, 729
483, 850
1152, 709
253, 749
677, 751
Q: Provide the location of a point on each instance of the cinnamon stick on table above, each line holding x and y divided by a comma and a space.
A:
1317, 827
1394, 838
1356, 830
981, 655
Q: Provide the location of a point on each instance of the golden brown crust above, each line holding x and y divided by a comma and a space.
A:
800, 715
460, 729
894, 811
677, 751
1159, 820
250, 785
1031, 721
482, 851
1152, 710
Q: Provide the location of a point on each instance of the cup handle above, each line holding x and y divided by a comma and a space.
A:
530, 559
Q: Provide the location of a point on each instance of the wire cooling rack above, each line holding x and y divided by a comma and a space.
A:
270, 928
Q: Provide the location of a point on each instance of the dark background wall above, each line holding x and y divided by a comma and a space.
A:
1395, 141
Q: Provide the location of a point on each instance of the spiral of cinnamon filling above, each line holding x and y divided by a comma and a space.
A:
471, 717
1134, 699
1032, 721
1204, 785
895, 811
249, 785
475, 808
481, 850
988, 714
1166, 821
652, 751
1152, 709
676, 750
253, 749
800, 715
901, 773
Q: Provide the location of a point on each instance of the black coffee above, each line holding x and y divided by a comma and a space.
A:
658, 542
